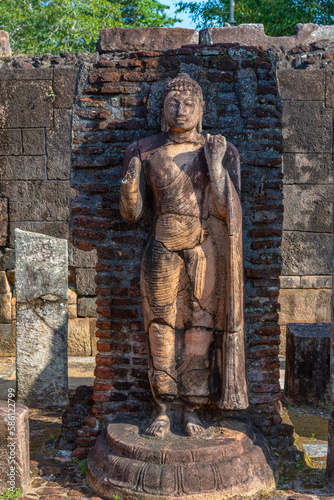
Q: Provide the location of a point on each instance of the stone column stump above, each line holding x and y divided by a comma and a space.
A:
41, 325
14, 446
307, 363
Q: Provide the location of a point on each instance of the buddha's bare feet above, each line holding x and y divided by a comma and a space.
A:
159, 427
192, 424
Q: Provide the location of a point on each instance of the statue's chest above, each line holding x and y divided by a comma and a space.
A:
175, 164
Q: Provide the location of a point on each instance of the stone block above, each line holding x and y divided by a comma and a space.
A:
25, 103
316, 282
300, 85
3, 221
87, 307
329, 88
307, 168
13, 304
33, 141
289, 281
11, 276
4, 284
40, 266
307, 127
64, 86
4, 44
254, 34
59, 146
14, 446
79, 342
94, 339
307, 364
7, 339
7, 258
72, 297
306, 253
39, 200
6, 308
80, 258
10, 142
85, 281
124, 40
304, 306
19, 168
308, 208
41, 322
72, 311
23, 74
55, 229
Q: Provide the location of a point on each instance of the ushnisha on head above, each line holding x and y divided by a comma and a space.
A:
182, 105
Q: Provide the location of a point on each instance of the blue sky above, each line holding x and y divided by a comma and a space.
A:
186, 21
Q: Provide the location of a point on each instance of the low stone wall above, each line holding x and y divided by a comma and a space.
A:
36, 98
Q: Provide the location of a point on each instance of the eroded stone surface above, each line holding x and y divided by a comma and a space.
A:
41, 321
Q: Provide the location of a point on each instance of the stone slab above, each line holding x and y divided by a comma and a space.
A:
307, 168
304, 306
5, 308
19, 168
41, 320
79, 339
307, 127
4, 284
5, 49
14, 446
72, 311
125, 39
59, 145
41, 353
7, 259
315, 282
85, 279
305, 253
55, 229
40, 266
80, 258
3, 221
329, 88
87, 307
33, 141
289, 281
38, 200
308, 208
72, 297
25, 103
307, 364
64, 86
7, 339
10, 142
301, 85
254, 34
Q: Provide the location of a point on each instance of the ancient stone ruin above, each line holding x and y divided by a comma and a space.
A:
272, 99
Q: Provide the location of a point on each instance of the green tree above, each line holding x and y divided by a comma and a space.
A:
278, 16
40, 26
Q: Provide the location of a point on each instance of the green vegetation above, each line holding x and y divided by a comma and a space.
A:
278, 16
12, 494
41, 26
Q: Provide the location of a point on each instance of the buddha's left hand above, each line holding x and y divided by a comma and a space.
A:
215, 149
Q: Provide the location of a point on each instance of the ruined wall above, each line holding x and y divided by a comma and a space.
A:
119, 101
306, 84
36, 98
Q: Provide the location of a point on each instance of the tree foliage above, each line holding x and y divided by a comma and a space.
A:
41, 26
278, 16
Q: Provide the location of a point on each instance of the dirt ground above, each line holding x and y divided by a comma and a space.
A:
55, 475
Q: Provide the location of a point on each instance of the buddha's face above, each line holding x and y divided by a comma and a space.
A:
182, 110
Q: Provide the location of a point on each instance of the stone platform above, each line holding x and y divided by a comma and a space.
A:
230, 461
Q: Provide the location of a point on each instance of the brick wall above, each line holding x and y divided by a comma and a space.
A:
36, 98
120, 101
306, 82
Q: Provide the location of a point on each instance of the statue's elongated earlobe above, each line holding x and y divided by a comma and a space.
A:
164, 127
199, 126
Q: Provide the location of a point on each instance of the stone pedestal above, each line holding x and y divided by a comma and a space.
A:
307, 363
231, 460
14, 446
41, 324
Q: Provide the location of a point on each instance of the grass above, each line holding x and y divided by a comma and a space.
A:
12, 494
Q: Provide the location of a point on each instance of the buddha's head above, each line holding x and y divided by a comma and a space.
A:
182, 105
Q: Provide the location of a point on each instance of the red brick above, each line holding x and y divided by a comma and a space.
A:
128, 408
104, 63
265, 388
92, 235
101, 386
110, 373
263, 353
129, 63
103, 77
80, 453
85, 245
